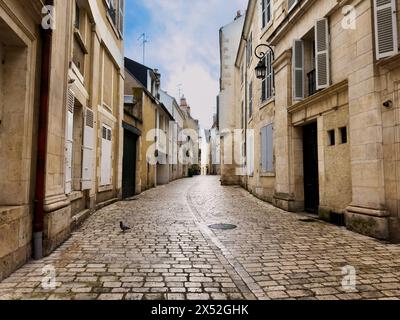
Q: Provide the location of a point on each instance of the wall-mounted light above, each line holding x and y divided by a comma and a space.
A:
261, 69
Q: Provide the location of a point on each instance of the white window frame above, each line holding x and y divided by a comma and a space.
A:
263, 9
106, 178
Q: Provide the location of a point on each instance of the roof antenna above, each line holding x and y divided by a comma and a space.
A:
144, 39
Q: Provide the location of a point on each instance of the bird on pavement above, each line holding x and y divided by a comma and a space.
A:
123, 227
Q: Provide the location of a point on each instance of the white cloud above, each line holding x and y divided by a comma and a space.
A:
184, 46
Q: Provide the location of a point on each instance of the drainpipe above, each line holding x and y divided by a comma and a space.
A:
38, 211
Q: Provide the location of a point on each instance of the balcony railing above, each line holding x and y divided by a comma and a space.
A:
312, 83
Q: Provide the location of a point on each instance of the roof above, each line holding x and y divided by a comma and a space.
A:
139, 71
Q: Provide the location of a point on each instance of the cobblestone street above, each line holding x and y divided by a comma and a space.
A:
170, 253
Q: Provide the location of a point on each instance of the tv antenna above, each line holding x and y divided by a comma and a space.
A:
144, 40
179, 90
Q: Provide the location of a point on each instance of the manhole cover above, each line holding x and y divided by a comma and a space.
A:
222, 226
308, 220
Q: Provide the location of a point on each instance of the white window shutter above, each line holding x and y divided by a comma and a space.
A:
69, 139
106, 149
385, 28
322, 53
250, 152
88, 150
298, 70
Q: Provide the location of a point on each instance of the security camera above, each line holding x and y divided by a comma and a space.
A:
388, 104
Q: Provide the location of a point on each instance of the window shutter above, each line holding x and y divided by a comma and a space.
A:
121, 16
88, 149
250, 152
69, 139
270, 76
106, 148
291, 4
385, 28
298, 70
322, 53
264, 149
270, 148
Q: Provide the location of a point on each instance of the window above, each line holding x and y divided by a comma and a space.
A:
343, 135
121, 8
77, 16
266, 12
331, 138
242, 122
267, 90
249, 49
106, 152
250, 152
267, 149
250, 99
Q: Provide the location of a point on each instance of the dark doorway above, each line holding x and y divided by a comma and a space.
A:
311, 181
129, 165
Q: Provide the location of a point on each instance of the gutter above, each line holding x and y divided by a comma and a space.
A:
41, 158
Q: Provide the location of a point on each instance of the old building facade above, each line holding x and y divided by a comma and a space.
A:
321, 128
61, 145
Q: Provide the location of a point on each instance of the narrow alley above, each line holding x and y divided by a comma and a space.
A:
171, 253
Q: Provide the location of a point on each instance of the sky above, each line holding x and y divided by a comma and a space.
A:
183, 43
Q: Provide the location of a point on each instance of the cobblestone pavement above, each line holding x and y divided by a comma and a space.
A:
170, 253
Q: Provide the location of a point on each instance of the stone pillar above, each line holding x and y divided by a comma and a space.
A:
284, 196
367, 213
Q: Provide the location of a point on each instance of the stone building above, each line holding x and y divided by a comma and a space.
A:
324, 120
189, 137
60, 109
229, 38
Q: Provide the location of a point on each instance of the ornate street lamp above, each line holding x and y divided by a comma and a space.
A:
261, 69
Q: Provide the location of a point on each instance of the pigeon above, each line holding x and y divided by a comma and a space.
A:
123, 227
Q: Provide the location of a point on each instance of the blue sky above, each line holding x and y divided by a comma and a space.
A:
183, 45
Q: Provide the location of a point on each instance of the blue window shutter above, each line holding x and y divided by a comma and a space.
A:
264, 149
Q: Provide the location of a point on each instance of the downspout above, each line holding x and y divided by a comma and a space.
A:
245, 112
38, 211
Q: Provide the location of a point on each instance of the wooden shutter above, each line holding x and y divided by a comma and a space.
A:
69, 139
270, 148
88, 150
267, 149
250, 152
385, 28
322, 53
106, 149
298, 70
269, 77
264, 149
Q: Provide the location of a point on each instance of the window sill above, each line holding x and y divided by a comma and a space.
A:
265, 103
106, 188
266, 28
267, 174
75, 195
77, 72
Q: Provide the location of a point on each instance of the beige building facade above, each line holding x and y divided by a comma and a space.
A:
321, 127
61, 145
